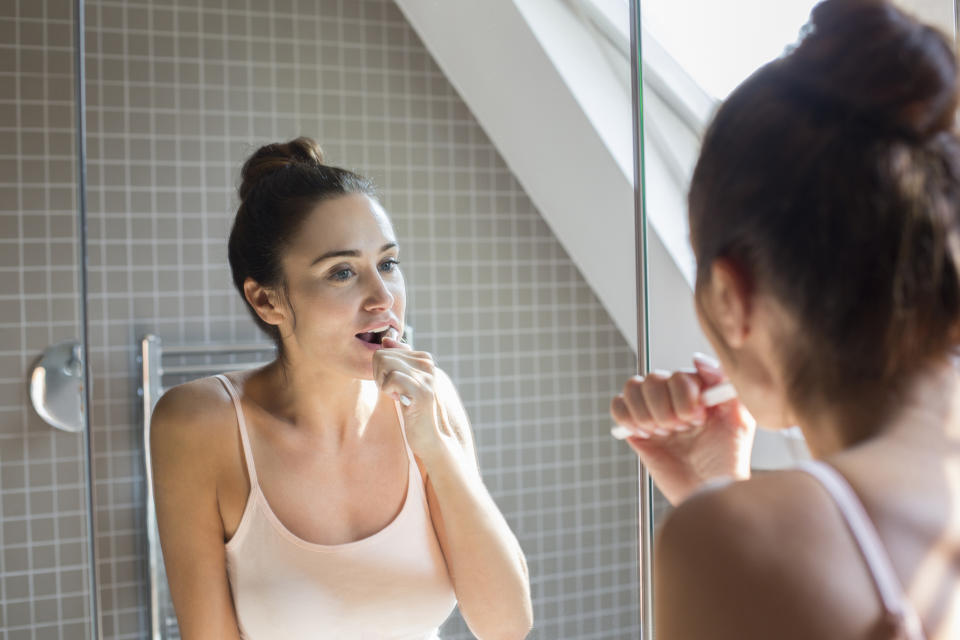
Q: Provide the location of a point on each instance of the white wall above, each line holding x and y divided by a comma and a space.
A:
936, 12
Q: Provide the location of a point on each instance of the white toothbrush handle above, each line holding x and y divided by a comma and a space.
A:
717, 394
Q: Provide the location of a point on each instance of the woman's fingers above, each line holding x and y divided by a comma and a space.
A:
708, 369
622, 416
656, 394
400, 352
397, 383
635, 404
390, 343
660, 404
388, 359
684, 390
405, 374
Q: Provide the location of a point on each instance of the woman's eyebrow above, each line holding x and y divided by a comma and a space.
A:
349, 253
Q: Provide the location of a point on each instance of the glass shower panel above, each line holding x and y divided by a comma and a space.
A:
44, 567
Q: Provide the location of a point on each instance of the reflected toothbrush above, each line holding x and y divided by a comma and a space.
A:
392, 333
717, 394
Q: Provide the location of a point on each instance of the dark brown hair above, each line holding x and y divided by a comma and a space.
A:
280, 184
832, 177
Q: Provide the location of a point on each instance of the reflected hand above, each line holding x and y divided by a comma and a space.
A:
408, 377
682, 442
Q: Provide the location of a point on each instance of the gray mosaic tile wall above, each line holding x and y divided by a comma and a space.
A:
179, 92
43, 564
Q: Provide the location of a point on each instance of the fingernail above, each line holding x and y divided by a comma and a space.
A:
703, 358
661, 432
681, 428
640, 433
620, 432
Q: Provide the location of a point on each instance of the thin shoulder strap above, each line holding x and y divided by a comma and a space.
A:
244, 438
878, 561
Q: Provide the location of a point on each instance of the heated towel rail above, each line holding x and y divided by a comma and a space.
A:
162, 367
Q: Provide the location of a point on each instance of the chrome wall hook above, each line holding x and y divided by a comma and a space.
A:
56, 386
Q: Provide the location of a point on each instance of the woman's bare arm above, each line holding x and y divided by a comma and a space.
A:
486, 563
184, 452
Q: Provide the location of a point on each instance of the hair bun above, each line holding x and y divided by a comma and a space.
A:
271, 158
870, 61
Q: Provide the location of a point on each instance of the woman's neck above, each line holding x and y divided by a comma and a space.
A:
320, 403
922, 410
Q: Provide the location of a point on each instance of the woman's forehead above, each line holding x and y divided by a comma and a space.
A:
351, 222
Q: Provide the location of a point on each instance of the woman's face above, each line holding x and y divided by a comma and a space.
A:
343, 285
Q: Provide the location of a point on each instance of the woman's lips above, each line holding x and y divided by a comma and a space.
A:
372, 346
375, 343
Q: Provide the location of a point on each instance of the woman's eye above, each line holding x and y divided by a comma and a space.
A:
389, 265
342, 274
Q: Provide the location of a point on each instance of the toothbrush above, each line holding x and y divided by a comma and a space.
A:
403, 399
717, 394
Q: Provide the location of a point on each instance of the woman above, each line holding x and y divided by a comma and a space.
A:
824, 218
333, 493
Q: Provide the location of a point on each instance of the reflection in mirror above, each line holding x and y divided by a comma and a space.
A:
506, 174
694, 54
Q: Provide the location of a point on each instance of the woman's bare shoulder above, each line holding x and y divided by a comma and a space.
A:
193, 418
774, 542
748, 514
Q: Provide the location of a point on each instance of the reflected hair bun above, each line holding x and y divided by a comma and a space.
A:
271, 158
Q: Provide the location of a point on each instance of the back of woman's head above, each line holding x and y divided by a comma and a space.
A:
831, 177
280, 185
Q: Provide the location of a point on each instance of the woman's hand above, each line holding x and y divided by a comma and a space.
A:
682, 442
408, 377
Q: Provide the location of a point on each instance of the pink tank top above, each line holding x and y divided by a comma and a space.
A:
392, 585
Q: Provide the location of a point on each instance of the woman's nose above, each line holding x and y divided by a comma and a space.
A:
379, 296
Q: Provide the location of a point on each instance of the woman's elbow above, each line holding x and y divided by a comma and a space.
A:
515, 626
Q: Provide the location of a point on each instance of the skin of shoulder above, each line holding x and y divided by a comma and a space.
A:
190, 439
764, 558
189, 423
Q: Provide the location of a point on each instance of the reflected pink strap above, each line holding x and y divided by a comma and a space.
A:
244, 438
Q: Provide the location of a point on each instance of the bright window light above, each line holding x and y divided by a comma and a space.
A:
721, 43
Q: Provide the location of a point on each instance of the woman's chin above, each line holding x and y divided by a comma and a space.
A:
364, 371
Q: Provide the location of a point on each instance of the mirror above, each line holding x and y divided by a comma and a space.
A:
507, 172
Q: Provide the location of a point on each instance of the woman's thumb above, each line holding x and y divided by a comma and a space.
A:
708, 369
390, 343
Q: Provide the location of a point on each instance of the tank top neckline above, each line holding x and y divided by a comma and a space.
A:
256, 497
